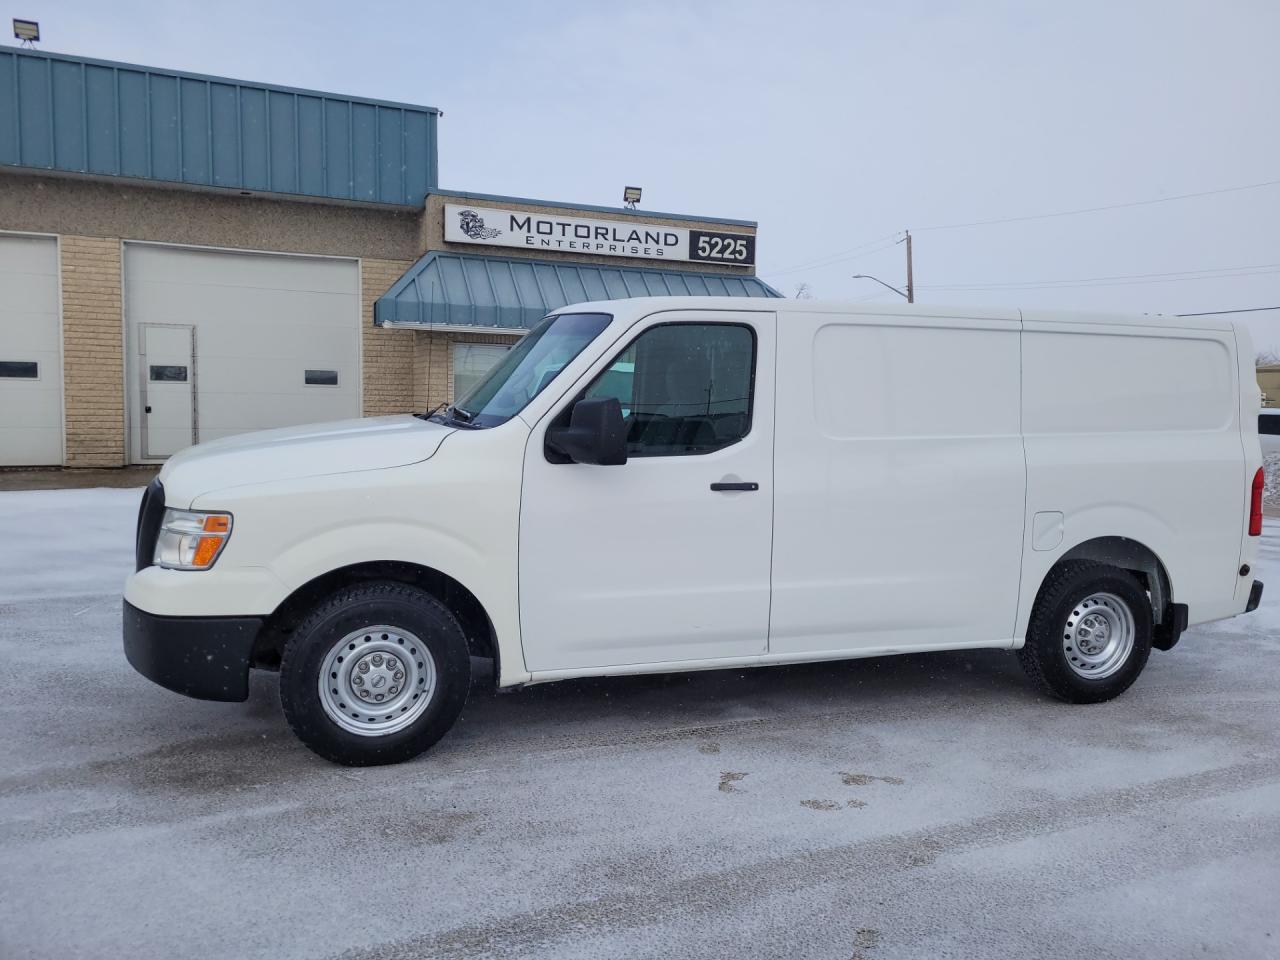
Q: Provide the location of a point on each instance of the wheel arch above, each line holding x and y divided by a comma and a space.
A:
1134, 556
460, 601
1168, 618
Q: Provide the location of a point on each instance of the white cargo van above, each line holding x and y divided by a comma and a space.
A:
655, 485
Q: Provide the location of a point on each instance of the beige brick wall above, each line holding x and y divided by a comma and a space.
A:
93, 351
169, 213
388, 365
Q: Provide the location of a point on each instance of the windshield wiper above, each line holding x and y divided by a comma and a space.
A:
450, 415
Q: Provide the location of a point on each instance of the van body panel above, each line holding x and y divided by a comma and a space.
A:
457, 513
644, 562
1133, 430
900, 483
1250, 408
292, 453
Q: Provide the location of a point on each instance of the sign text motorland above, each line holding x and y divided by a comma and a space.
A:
493, 226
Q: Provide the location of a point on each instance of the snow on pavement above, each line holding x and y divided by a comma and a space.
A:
61, 543
921, 806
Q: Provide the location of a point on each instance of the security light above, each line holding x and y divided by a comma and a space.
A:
27, 31
631, 196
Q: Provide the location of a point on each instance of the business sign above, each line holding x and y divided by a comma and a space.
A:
495, 227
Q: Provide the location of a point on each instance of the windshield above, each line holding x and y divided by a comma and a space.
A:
527, 368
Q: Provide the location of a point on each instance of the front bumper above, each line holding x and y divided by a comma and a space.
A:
202, 657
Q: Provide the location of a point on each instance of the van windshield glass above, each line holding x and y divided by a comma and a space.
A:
527, 368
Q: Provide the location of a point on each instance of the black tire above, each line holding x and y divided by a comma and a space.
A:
352, 609
1044, 658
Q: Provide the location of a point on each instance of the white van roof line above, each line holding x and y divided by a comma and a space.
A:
642, 306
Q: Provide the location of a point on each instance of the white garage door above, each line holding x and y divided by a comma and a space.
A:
30, 352
225, 343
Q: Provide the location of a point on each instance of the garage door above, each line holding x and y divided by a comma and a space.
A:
30, 352
225, 343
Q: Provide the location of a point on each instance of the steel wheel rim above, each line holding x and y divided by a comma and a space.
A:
363, 666
1098, 636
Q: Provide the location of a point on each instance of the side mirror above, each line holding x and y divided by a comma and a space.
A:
596, 434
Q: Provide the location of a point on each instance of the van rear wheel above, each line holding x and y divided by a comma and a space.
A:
375, 674
1090, 633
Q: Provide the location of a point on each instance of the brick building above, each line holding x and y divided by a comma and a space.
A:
185, 257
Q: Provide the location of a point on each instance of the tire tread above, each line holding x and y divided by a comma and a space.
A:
310, 728
1043, 634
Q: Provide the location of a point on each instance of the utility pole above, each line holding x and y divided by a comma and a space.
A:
911, 290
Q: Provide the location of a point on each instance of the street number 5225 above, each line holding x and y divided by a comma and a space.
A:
722, 247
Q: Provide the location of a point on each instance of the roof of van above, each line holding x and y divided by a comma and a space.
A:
646, 305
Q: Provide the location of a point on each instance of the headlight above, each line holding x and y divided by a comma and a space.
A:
191, 539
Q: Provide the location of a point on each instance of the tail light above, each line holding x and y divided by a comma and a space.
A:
1255, 505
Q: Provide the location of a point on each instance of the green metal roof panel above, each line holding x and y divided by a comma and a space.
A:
460, 290
77, 115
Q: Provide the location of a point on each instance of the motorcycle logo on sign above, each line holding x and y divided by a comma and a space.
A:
472, 224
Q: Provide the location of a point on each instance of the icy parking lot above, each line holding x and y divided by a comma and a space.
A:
925, 806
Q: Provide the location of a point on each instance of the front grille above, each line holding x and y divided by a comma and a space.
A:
150, 516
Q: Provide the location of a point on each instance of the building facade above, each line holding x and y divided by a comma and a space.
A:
186, 257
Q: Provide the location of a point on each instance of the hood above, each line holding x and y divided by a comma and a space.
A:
291, 453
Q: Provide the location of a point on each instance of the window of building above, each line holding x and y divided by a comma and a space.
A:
471, 361
167, 374
19, 369
685, 388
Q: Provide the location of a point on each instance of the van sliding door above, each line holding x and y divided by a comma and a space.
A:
899, 483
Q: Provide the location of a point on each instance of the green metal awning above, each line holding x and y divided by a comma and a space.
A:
502, 293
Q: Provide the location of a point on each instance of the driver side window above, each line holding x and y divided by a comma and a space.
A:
685, 388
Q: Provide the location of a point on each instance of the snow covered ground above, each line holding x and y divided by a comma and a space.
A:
1271, 474
925, 806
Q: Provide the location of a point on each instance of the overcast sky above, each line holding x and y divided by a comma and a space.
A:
832, 124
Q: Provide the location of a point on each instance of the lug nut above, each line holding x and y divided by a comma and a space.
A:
364, 666
393, 691
377, 659
364, 694
378, 697
399, 675
393, 663
358, 680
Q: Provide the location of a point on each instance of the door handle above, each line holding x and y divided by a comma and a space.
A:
743, 485
148, 409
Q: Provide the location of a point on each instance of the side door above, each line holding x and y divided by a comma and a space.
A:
168, 389
665, 558
900, 482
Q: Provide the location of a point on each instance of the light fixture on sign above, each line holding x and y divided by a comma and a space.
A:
631, 196
28, 31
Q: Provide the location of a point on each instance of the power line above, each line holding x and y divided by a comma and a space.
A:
1109, 206
1218, 313
1216, 273
840, 256
859, 250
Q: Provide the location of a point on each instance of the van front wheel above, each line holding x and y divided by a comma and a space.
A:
1090, 633
375, 674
